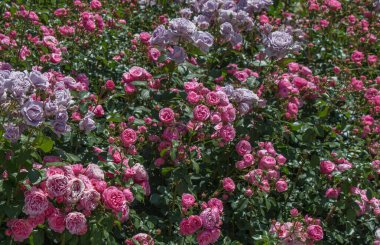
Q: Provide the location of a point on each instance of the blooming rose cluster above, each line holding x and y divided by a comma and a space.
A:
231, 18
337, 165
140, 238
180, 32
135, 73
305, 230
207, 224
36, 99
296, 86
365, 205
67, 197
262, 166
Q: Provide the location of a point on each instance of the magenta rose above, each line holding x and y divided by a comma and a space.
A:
204, 237
327, 167
315, 232
114, 198
357, 56
267, 162
201, 113
166, 115
281, 186
36, 202
90, 200
188, 200
128, 137
57, 185
56, 222
212, 98
210, 218
243, 147
76, 223
140, 238
227, 133
19, 229
228, 184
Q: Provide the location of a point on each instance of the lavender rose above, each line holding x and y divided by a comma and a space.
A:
38, 79
33, 113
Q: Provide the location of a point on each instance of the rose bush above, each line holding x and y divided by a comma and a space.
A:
189, 122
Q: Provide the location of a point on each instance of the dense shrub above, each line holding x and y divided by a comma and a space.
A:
197, 122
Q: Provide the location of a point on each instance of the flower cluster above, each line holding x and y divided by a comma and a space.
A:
68, 195
305, 230
33, 98
180, 32
206, 224
263, 166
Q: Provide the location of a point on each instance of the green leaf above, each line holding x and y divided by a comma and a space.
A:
44, 143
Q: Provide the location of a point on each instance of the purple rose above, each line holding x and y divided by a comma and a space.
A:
87, 123
33, 113
203, 40
38, 79
12, 132
178, 54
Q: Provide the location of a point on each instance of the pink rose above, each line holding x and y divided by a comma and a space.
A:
227, 133
215, 203
228, 184
333, 4
188, 200
267, 162
372, 59
57, 185
193, 97
154, 54
93, 171
204, 237
357, 56
141, 238
293, 67
281, 186
56, 222
332, 193
201, 113
144, 37
128, 195
281, 160
127, 77
327, 167
114, 198
212, 98
210, 218
35, 202
137, 72
128, 137
90, 200
315, 232
99, 111
76, 223
195, 222
19, 229
243, 147
110, 85
141, 174
95, 4
166, 115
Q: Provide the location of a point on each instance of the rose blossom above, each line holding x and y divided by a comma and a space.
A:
36, 202
128, 137
76, 223
201, 113
188, 200
166, 115
315, 232
114, 198
19, 229
228, 184
56, 222
57, 185
243, 147
281, 186
327, 167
